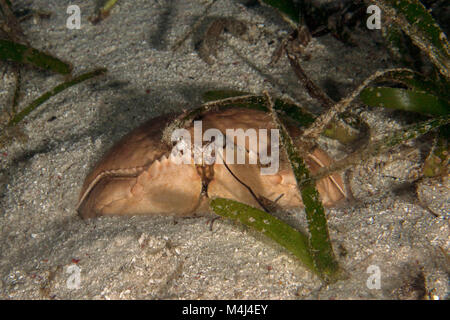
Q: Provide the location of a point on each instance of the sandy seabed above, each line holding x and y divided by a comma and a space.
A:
42, 238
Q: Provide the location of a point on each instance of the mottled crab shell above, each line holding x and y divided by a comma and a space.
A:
139, 176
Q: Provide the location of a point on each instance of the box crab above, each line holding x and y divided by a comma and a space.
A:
139, 175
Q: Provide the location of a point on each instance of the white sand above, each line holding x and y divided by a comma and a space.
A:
41, 235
